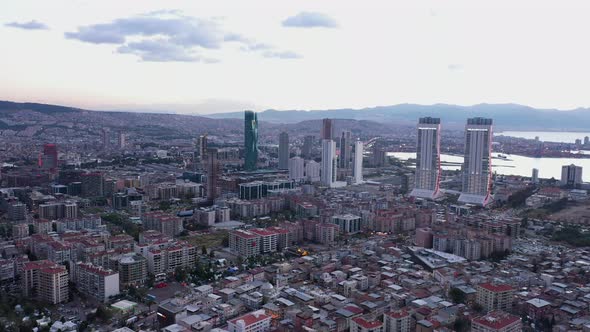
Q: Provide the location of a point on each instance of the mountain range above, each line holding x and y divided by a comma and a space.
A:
506, 116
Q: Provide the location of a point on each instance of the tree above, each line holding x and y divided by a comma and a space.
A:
164, 205
477, 307
457, 296
180, 274
461, 325
204, 250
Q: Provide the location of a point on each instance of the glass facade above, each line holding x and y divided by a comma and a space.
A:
250, 140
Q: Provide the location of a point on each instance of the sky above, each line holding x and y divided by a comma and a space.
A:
220, 56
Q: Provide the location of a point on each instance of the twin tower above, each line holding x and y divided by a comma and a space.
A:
477, 164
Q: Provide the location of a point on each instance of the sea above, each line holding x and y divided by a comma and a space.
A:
521, 165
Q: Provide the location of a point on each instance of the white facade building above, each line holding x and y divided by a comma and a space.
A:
477, 165
296, 168
428, 170
357, 171
329, 169
312, 171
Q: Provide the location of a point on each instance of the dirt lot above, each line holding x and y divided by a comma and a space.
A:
575, 214
209, 240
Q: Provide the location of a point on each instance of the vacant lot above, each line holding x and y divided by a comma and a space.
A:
209, 240
577, 213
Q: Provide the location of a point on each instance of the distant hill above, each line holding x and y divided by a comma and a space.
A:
506, 116
43, 108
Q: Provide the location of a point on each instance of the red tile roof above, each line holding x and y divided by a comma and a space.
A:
251, 318
398, 314
366, 324
496, 288
497, 320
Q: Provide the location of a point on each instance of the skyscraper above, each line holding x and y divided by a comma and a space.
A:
571, 175
213, 170
250, 140
345, 150
327, 131
329, 171
535, 176
357, 171
122, 140
428, 171
477, 165
202, 146
106, 139
307, 149
283, 150
49, 157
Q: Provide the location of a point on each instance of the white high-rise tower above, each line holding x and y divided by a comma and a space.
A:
477, 165
329, 171
357, 171
428, 171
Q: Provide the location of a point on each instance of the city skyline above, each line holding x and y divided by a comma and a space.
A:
192, 44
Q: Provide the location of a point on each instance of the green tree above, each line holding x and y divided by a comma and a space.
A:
461, 325
164, 206
204, 250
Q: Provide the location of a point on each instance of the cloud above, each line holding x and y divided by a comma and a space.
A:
282, 55
159, 50
310, 20
167, 35
31, 25
455, 67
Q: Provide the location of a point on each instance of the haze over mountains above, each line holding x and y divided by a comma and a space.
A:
506, 116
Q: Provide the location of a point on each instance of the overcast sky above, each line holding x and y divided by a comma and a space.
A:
213, 56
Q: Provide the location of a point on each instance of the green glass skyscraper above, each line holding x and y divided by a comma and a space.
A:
250, 140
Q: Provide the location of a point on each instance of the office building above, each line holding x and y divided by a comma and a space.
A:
307, 149
296, 169
357, 166
257, 321
571, 175
49, 157
495, 296
496, 321
250, 140
379, 156
535, 176
213, 172
428, 170
397, 321
95, 281
202, 146
345, 150
92, 184
348, 223
106, 139
329, 171
327, 131
283, 150
477, 165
